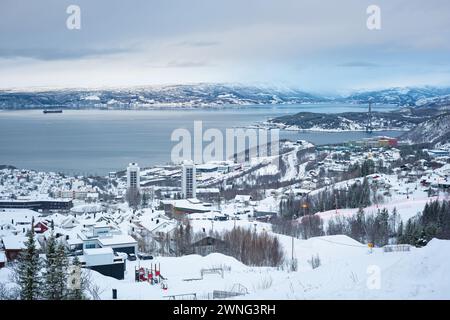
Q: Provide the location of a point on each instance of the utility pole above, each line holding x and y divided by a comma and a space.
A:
369, 128
336, 203
294, 217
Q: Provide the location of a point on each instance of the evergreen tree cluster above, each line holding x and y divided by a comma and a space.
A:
45, 279
306, 227
183, 238
379, 228
354, 196
434, 222
28, 270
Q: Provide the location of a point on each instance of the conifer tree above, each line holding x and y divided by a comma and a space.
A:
61, 271
50, 273
27, 270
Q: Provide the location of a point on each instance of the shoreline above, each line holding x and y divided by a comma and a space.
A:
281, 126
178, 107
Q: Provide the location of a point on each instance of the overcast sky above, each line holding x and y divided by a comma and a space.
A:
314, 45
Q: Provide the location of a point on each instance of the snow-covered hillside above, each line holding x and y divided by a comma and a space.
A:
430, 131
348, 271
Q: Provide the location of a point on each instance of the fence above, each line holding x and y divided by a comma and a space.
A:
185, 296
217, 294
212, 270
237, 290
397, 248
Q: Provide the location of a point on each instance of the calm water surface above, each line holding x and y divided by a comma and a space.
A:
97, 141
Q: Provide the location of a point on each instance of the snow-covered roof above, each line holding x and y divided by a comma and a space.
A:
165, 227
74, 241
242, 198
207, 166
152, 222
87, 208
187, 204
117, 239
16, 243
298, 191
7, 215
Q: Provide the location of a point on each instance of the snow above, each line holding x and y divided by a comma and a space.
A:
346, 265
24, 215
92, 98
406, 209
16, 243
116, 240
345, 272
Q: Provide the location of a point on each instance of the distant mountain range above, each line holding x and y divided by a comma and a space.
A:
200, 95
424, 111
404, 97
208, 95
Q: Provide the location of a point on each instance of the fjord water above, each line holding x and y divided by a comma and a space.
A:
99, 141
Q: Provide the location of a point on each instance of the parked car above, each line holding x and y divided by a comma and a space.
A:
145, 256
132, 257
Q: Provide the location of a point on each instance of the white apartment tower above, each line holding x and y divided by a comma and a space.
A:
188, 183
133, 176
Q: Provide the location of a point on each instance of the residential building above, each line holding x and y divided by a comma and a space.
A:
133, 176
188, 180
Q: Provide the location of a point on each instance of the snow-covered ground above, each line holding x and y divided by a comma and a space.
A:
347, 271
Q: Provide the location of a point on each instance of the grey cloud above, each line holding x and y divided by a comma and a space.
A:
198, 43
49, 54
247, 41
186, 64
359, 64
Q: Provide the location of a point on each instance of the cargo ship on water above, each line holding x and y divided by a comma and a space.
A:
52, 111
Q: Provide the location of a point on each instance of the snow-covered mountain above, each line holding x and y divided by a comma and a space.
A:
209, 95
439, 103
347, 121
198, 95
435, 130
399, 96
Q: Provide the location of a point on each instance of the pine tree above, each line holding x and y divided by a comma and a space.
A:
400, 232
50, 273
61, 271
28, 268
382, 227
144, 199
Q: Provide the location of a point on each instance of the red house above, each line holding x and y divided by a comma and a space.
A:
40, 227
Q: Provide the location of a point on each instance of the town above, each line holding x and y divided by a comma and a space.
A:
224, 229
